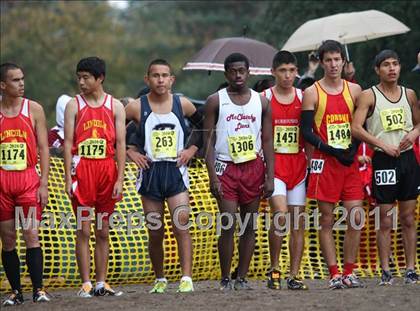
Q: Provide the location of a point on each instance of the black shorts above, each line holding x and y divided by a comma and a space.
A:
395, 178
162, 180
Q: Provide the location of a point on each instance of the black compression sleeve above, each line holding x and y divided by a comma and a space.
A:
306, 124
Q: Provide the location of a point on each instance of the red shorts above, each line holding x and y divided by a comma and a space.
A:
19, 188
332, 181
93, 183
242, 182
290, 168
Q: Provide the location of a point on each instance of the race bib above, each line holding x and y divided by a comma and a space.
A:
242, 148
219, 167
385, 177
13, 156
393, 119
339, 135
92, 148
286, 139
164, 144
317, 165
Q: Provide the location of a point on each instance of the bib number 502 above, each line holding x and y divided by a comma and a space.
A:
385, 177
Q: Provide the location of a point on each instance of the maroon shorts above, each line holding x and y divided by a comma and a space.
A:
93, 183
331, 181
242, 182
19, 189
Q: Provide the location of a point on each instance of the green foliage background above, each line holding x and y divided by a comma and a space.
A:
48, 38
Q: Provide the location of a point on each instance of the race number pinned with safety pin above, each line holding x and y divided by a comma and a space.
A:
385, 177
393, 119
92, 148
164, 144
317, 165
242, 148
13, 156
219, 167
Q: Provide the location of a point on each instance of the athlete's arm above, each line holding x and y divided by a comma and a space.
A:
364, 103
355, 91
189, 110
119, 115
42, 138
69, 123
309, 103
132, 113
267, 146
409, 139
211, 110
132, 110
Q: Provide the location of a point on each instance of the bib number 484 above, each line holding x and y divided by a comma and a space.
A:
317, 165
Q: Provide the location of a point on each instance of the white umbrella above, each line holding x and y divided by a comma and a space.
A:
344, 28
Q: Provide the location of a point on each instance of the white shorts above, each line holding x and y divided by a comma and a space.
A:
296, 196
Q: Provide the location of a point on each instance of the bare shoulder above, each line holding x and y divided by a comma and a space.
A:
355, 89
264, 101
310, 91
133, 109
72, 105
188, 107
35, 107
310, 98
213, 99
411, 95
117, 103
366, 97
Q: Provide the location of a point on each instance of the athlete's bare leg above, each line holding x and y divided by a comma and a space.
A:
409, 231
178, 206
326, 238
83, 251
247, 240
156, 233
383, 235
278, 204
297, 239
352, 236
225, 242
102, 251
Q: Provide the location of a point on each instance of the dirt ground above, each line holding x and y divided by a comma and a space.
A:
208, 297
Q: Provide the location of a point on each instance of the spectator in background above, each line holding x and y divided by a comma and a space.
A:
263, 84
308, 78
56, 134
349, 72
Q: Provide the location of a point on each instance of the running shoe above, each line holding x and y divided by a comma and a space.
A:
159, 287
273, 279
185, 286
352, 281
241, 284
226, 284
294, 283
386, 278
14, 299
336, 282
41, 295
411, 277
86, 291
106, 290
